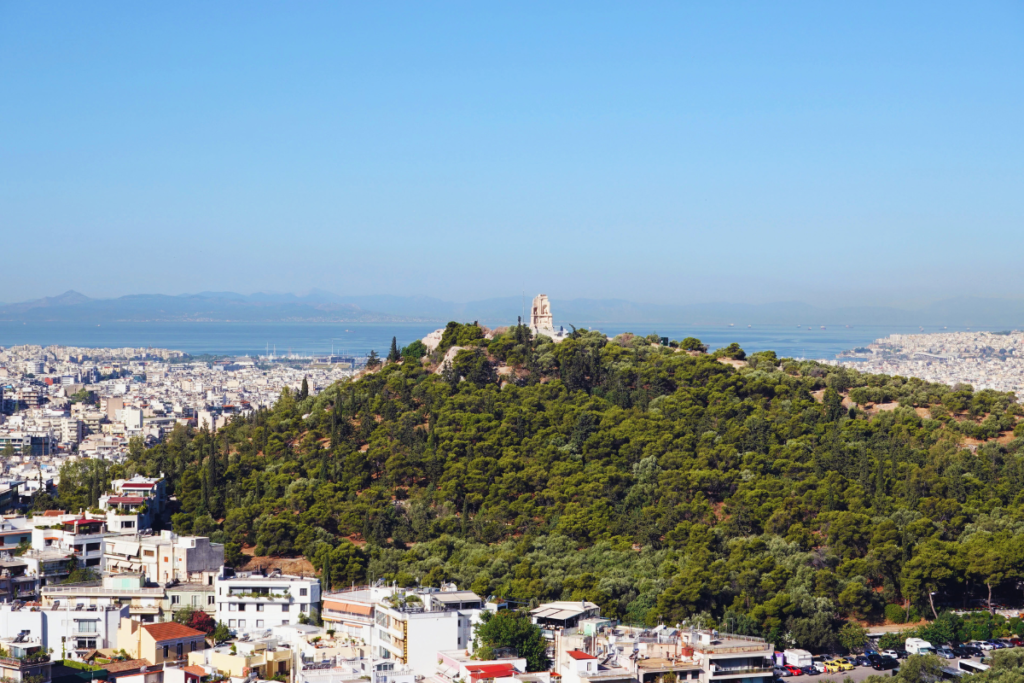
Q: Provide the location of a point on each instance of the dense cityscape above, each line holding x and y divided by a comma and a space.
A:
723, 450
984, 360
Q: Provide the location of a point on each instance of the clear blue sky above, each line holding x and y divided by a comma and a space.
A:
676, 152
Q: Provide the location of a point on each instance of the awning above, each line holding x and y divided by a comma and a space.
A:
125, 548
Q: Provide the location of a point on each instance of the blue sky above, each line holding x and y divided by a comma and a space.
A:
678, 152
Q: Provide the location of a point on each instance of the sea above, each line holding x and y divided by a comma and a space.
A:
357, 339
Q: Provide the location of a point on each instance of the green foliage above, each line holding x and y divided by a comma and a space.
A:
693, 344
731, 351
898, 614
510, 629
456, 334
662, 486
892, 639
221, 633
853, 636
414, 351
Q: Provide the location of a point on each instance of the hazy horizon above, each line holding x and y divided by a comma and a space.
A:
665, 153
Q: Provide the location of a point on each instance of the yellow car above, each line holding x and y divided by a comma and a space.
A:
834, 666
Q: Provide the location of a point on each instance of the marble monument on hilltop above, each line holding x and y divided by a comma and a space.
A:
541, 320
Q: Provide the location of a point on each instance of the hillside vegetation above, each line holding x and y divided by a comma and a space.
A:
661, 484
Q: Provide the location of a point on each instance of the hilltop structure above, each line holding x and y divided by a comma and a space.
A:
542, 321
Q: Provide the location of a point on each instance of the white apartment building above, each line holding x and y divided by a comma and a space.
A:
165, 557
68, 629
80, 536
145, 604
251, 602
411, 628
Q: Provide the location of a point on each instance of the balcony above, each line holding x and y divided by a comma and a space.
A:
27, 663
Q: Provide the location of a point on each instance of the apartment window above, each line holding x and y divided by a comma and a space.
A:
128, 525
259, 623
195, 601
259, 606
241, 607
167, 651
232, 607
241, 623
232, 623
180, 649
303, 592
78, 548
92, 562
175, 599
148, 553
211, 599
89, 626
284, 608
284, 622
194, 645
303, 608
84, 644
92, 546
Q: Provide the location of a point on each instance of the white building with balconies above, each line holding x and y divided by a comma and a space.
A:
249, 602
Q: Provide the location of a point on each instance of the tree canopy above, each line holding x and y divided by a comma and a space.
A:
660, 482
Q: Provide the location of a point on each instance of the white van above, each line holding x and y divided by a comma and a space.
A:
918, 646
800, 658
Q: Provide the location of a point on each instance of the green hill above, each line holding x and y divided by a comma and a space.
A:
659, 483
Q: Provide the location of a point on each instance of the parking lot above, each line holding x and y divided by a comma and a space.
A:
860, 673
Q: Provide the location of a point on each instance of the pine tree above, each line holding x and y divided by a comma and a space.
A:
325, 571
372, 360
393, 355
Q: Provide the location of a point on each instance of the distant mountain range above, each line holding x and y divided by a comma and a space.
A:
324, 306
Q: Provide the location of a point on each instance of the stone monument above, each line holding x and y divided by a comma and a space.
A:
541, 320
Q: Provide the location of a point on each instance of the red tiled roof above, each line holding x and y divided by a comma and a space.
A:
580, 654
171, 631
195, 670
490, 670
127, 665
54, 513
126, 500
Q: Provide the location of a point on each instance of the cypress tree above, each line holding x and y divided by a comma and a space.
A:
304, 390
393, 355
325, 571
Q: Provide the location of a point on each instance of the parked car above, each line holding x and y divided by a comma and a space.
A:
793, 670
983, 644
861, 660
890, 653
901, 653
811, 671
1016, 642
966, 650
780, 672
885, 664
999, 645
945, 652
838, 664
